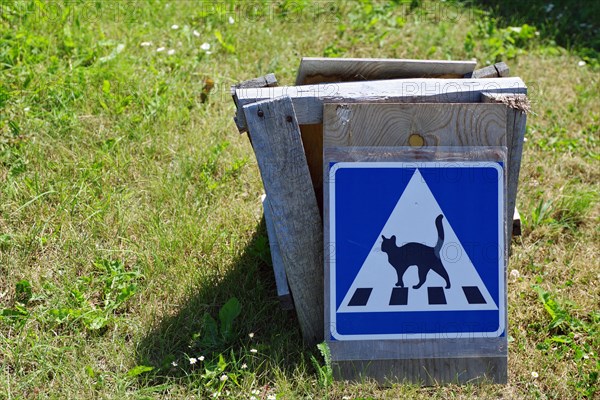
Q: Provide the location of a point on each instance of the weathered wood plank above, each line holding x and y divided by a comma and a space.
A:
283, 290
308, 100
517, 106
317, 70
278, 147
416, 125
498, 70
268, 80
427, 371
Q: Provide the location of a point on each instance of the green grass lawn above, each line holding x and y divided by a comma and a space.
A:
130, 215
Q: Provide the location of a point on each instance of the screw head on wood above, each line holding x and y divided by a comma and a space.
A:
261, 113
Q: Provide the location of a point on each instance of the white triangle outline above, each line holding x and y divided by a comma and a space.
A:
376, 272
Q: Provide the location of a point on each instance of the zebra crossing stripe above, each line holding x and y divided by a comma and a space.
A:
399, 297
436, 295
360, 297
473, 295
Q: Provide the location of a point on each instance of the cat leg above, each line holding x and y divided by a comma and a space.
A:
400, 282
439, 268
422, 276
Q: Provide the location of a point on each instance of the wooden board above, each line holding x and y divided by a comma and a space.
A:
308, 100
491, 71
318, 70
416, 125
283, 290
517, 106
275, 135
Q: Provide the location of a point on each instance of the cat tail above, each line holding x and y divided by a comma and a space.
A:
440, 231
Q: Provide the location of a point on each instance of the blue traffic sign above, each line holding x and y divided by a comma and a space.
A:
417, 250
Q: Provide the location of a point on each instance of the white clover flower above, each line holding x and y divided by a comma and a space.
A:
581, 63
253, 351
160, 49
205, 46
201, 358
196, 33
223, 378
174, 364
515, 274
146, 44
244, 366
231, 20
193, 360
171, 52
251, 335
174, 26
534, 374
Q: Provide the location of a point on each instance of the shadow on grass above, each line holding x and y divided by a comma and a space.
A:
276, 332
571, 24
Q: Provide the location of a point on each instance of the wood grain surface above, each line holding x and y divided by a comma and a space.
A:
319, 70
308, 100
278, 148
414, 125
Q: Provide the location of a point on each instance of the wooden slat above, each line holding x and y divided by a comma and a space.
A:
308, 100
417, 125
268, 80
278, 147
498, 70
426, 371
317, 70
283, 290
517, 106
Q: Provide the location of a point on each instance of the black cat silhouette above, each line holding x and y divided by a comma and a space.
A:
424, 257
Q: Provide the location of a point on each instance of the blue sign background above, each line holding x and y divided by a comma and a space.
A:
364, 200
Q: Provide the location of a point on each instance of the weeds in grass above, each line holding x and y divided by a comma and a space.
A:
573, 338
325, 371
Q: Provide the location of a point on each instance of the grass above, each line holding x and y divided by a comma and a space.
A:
130, 213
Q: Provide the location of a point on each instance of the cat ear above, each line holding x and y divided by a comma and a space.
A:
393, 238
383, 237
